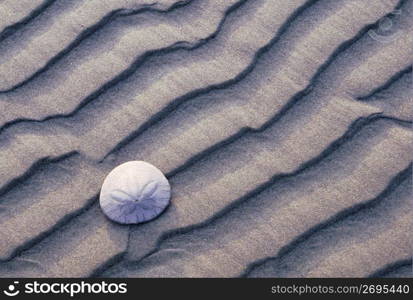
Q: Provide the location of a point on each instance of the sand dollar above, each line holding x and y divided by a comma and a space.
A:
134, 192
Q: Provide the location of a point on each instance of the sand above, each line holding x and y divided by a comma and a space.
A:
283, 127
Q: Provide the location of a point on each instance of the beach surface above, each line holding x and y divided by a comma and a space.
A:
283, 127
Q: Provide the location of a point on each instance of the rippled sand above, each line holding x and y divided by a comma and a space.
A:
284, 128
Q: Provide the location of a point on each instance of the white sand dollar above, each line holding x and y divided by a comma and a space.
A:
134, 192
